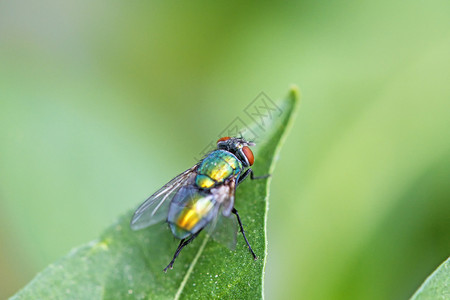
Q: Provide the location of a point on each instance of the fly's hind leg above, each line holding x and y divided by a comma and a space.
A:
183, 243
234, 211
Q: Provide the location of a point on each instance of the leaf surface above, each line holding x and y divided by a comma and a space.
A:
437, 285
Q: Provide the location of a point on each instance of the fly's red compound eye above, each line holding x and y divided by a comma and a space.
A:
249, 154
226, 138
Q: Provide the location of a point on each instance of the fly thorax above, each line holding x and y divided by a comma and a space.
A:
216, 168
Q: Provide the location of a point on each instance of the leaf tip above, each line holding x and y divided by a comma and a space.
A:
294, 93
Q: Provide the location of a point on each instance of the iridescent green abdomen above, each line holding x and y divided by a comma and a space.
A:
216, 167
190, 210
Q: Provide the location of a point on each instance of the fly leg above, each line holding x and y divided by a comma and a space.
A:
234, 211
183, 243
250, 172
180, 246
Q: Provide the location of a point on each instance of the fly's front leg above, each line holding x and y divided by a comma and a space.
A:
252, 177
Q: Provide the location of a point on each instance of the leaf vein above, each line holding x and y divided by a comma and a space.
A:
191, 268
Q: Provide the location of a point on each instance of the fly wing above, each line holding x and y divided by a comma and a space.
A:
223, 228
155, 208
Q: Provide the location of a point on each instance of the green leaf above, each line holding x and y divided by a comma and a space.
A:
129, 264
437, 285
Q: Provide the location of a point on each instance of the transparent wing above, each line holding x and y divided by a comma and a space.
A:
155, 208
223, 228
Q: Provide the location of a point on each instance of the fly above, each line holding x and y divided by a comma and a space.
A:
199, 196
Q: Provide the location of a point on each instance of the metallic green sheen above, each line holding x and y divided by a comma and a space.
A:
204, 181
216, 167
179, 232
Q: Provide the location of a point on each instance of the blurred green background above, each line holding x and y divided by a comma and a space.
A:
103, 102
